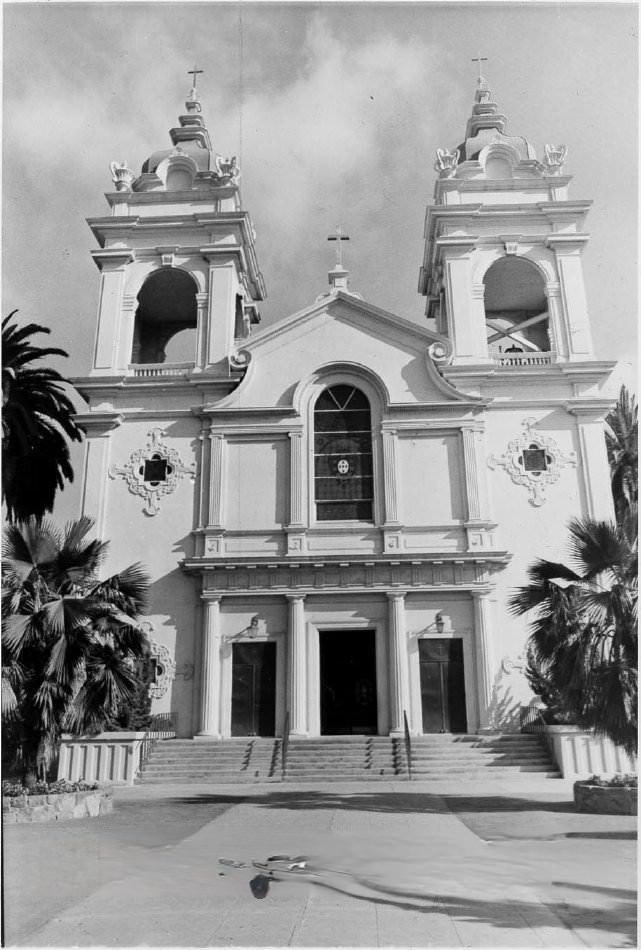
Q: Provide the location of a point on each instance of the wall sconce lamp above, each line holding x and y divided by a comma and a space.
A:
439, 623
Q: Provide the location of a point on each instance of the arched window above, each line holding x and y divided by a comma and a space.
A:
343, 476
166, 307
516, 309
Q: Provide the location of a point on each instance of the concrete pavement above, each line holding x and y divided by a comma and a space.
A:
403, 864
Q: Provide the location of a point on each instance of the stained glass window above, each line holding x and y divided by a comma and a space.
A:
343, 475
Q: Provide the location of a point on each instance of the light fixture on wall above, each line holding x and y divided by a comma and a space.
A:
439, 623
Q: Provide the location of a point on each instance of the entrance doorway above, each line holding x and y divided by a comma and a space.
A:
253, 691
442, 685
348, 682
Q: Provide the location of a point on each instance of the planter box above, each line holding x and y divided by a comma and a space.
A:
57, 807
601, 800
579, 754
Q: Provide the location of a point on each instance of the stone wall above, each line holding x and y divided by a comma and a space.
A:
57, 807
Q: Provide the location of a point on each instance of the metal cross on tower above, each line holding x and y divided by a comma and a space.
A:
339, 237
479, 60
195, 73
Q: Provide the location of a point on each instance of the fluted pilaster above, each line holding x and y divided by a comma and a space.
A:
296, 478
390, 479
216, 459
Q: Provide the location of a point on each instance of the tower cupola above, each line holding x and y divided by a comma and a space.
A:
486, 126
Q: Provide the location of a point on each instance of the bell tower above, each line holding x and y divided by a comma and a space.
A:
179, 277
502, 271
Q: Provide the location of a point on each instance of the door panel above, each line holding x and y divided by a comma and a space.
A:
253, 695
442, 685
348, 682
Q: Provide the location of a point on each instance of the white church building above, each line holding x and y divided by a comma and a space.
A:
335, 509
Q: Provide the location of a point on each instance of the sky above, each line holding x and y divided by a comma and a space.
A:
335, 112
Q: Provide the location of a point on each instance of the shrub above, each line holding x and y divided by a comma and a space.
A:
61, 787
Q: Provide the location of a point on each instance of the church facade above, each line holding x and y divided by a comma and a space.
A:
334, 510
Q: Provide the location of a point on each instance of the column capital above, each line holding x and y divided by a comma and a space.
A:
395, 594
211, 598
481, 594
293, 598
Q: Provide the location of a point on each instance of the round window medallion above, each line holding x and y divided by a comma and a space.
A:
342, 467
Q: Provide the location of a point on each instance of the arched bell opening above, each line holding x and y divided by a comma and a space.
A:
516, 308
166, 312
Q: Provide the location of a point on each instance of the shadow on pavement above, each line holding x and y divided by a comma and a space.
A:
618, 917
613, 835
397, 802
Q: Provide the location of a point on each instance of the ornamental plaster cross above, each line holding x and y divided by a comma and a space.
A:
339, 237
195, 73
480, 59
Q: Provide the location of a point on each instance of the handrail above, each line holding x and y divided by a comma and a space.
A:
161, 726
408, 747
284, 746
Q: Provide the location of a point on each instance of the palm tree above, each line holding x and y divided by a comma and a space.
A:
583, 638
70, 642
37, 422
621, 436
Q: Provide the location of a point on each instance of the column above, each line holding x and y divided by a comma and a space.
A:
210, 685
297, 661
399, 674
483, 647
216, 459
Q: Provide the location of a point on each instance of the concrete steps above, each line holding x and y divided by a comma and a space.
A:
346, 758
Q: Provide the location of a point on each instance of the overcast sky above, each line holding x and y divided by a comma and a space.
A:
335, 111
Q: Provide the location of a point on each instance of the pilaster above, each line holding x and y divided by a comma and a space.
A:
399, 668
296, 526
210, 688
477, 526
98, 428
112, 265
221, 316
594, 469
216, 478
297, 666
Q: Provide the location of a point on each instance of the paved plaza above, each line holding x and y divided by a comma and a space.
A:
449, 864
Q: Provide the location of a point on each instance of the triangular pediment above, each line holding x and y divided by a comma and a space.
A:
342, 330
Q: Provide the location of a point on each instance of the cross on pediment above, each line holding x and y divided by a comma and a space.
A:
339, 237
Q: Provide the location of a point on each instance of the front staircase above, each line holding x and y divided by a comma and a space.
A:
347, 758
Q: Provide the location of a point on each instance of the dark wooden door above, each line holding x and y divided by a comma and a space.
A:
442, 685
348, 682
253, 691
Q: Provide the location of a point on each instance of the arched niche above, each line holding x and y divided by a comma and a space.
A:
166, 308
516, 308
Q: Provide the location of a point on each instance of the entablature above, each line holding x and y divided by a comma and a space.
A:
346, 575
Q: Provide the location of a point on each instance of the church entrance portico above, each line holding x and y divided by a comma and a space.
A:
348, 704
